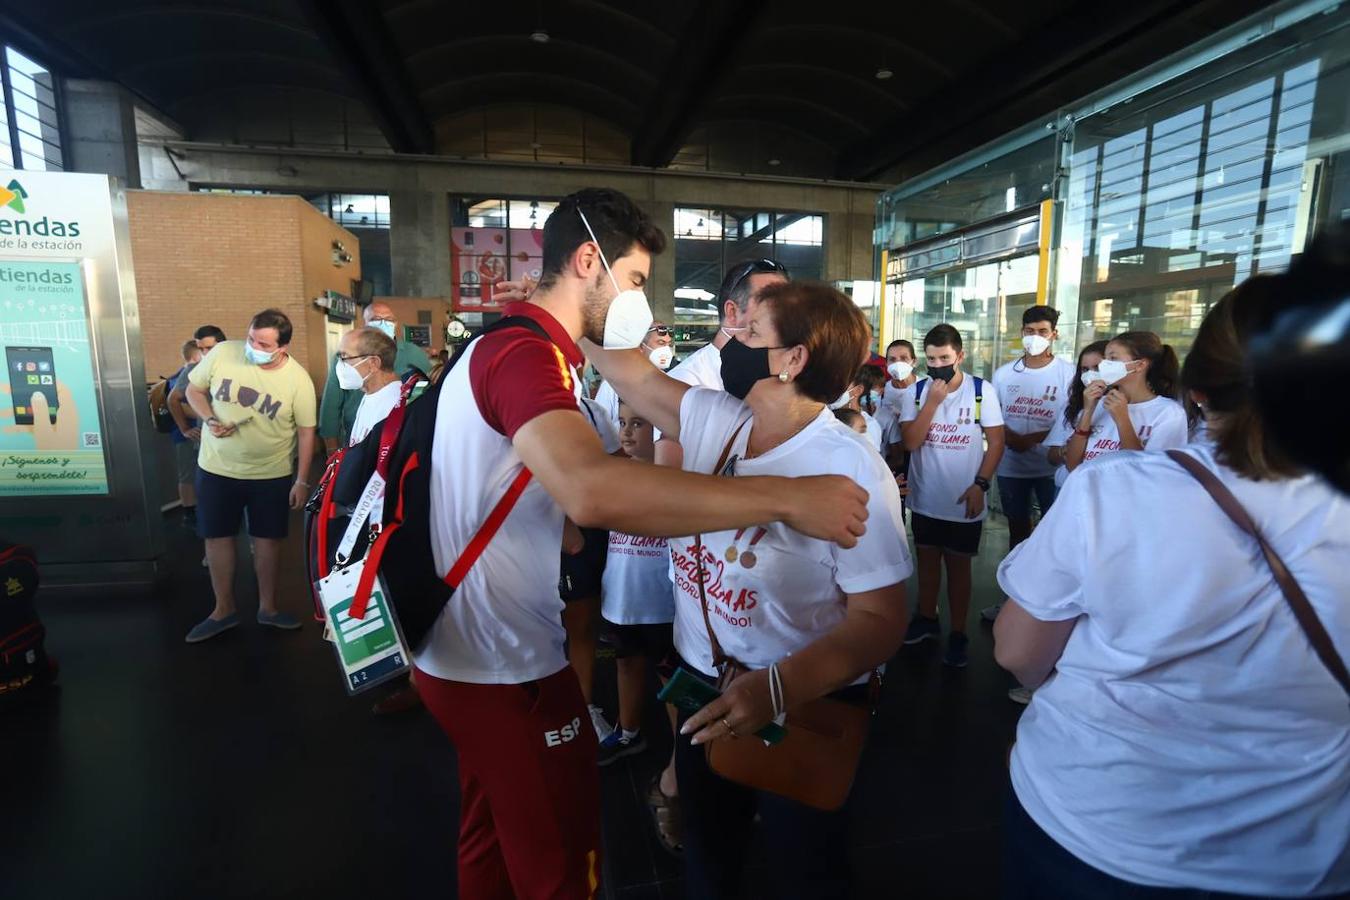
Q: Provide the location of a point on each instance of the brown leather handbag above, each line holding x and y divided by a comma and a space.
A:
815, 763
1303, 610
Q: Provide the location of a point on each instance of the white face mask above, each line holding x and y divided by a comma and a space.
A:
900, 370
629, 317
843, 400
349, 379
1035, 345
1112, 370
1090, 377
662, 357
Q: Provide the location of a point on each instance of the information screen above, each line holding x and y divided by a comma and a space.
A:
51, 441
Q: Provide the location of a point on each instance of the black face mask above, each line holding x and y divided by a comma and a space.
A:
942, 373
742, 366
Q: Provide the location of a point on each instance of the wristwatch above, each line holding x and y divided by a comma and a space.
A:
982, 483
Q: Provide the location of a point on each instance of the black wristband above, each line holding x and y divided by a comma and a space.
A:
982, 483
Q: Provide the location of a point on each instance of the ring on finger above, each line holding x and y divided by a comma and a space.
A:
727, 725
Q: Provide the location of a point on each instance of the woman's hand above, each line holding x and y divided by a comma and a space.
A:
973, 498
1093, 393
743, 709
1117, 405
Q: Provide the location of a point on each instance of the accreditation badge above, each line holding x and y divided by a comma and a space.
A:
370, 650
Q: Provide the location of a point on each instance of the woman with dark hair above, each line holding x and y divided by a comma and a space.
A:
1132, 405
1187, 739
1088, 360
791, 610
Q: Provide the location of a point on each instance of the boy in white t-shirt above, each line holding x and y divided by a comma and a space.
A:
637, 605
896, 394
946, 430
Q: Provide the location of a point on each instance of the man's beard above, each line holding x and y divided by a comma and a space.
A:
595, 309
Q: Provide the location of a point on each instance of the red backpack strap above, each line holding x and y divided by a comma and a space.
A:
325, 513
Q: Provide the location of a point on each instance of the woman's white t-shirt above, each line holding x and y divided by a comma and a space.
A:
1059, 435
771, 590
946, 463
373, 410
1160, 424
1190, 736
874, 431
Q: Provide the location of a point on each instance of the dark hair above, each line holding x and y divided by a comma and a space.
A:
1164, 371
849, 417
827, 324
871, 378
1216, 366
1074, 408
209, 331
619, 223
903, 343
1040, 313
943, 335
189, 348
274, 318
372, 341
736, 284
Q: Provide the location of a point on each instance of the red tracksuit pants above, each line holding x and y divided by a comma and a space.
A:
529, 823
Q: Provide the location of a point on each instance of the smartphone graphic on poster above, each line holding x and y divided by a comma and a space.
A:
31, 370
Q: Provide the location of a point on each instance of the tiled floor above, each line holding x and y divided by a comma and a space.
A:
238, 768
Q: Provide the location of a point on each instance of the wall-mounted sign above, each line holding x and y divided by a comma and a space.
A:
51, 439
417, 334
339, 306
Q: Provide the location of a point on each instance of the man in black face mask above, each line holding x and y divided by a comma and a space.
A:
945, 429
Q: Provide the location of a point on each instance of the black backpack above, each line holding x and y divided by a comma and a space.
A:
401, 551
23, 659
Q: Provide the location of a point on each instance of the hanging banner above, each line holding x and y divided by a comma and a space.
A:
481, 258
51, 440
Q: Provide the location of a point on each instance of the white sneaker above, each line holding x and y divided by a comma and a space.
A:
1020, 695
205, 564
602, 728
990, 613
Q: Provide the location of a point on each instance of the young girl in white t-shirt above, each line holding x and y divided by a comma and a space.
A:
1130, 405
637, 603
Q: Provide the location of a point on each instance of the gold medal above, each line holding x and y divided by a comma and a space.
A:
731, 554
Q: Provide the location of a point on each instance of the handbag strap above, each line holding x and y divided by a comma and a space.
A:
1289, 586
719, 657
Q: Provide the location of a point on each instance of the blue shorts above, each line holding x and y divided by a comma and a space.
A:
1015, 493
222, 503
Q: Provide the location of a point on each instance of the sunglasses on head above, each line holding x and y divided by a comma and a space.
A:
760, 266
660, 330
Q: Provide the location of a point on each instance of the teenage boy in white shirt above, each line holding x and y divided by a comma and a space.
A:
946, 430
1033, 391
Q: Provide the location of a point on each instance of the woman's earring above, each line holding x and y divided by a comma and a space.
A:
783, 376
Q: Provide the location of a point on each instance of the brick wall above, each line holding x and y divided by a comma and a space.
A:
219, 258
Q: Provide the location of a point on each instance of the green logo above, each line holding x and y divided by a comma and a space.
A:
13, 196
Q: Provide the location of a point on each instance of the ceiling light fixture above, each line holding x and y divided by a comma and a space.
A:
539, 36
883, 73
775, 162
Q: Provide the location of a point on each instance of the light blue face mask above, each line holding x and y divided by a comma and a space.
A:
384, 325
258, 357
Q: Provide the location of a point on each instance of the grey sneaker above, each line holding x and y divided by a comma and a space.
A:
284, 621
990, 613
1020, 695
209, 628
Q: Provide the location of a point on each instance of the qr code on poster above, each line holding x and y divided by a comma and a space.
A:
92, 439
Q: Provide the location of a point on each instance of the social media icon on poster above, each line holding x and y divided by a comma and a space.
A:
32, 379
46, 379
18, 367
44, 367
31, 367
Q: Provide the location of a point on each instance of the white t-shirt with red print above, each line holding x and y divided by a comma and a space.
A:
1032, 401
946, 463
772, 591
636, 589
1160, 423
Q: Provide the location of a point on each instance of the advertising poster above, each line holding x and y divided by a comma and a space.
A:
50, 439
480, 258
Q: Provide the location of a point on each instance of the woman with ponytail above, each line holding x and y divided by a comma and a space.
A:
1131, 403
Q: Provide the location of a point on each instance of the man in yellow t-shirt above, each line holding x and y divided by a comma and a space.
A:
257, 407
